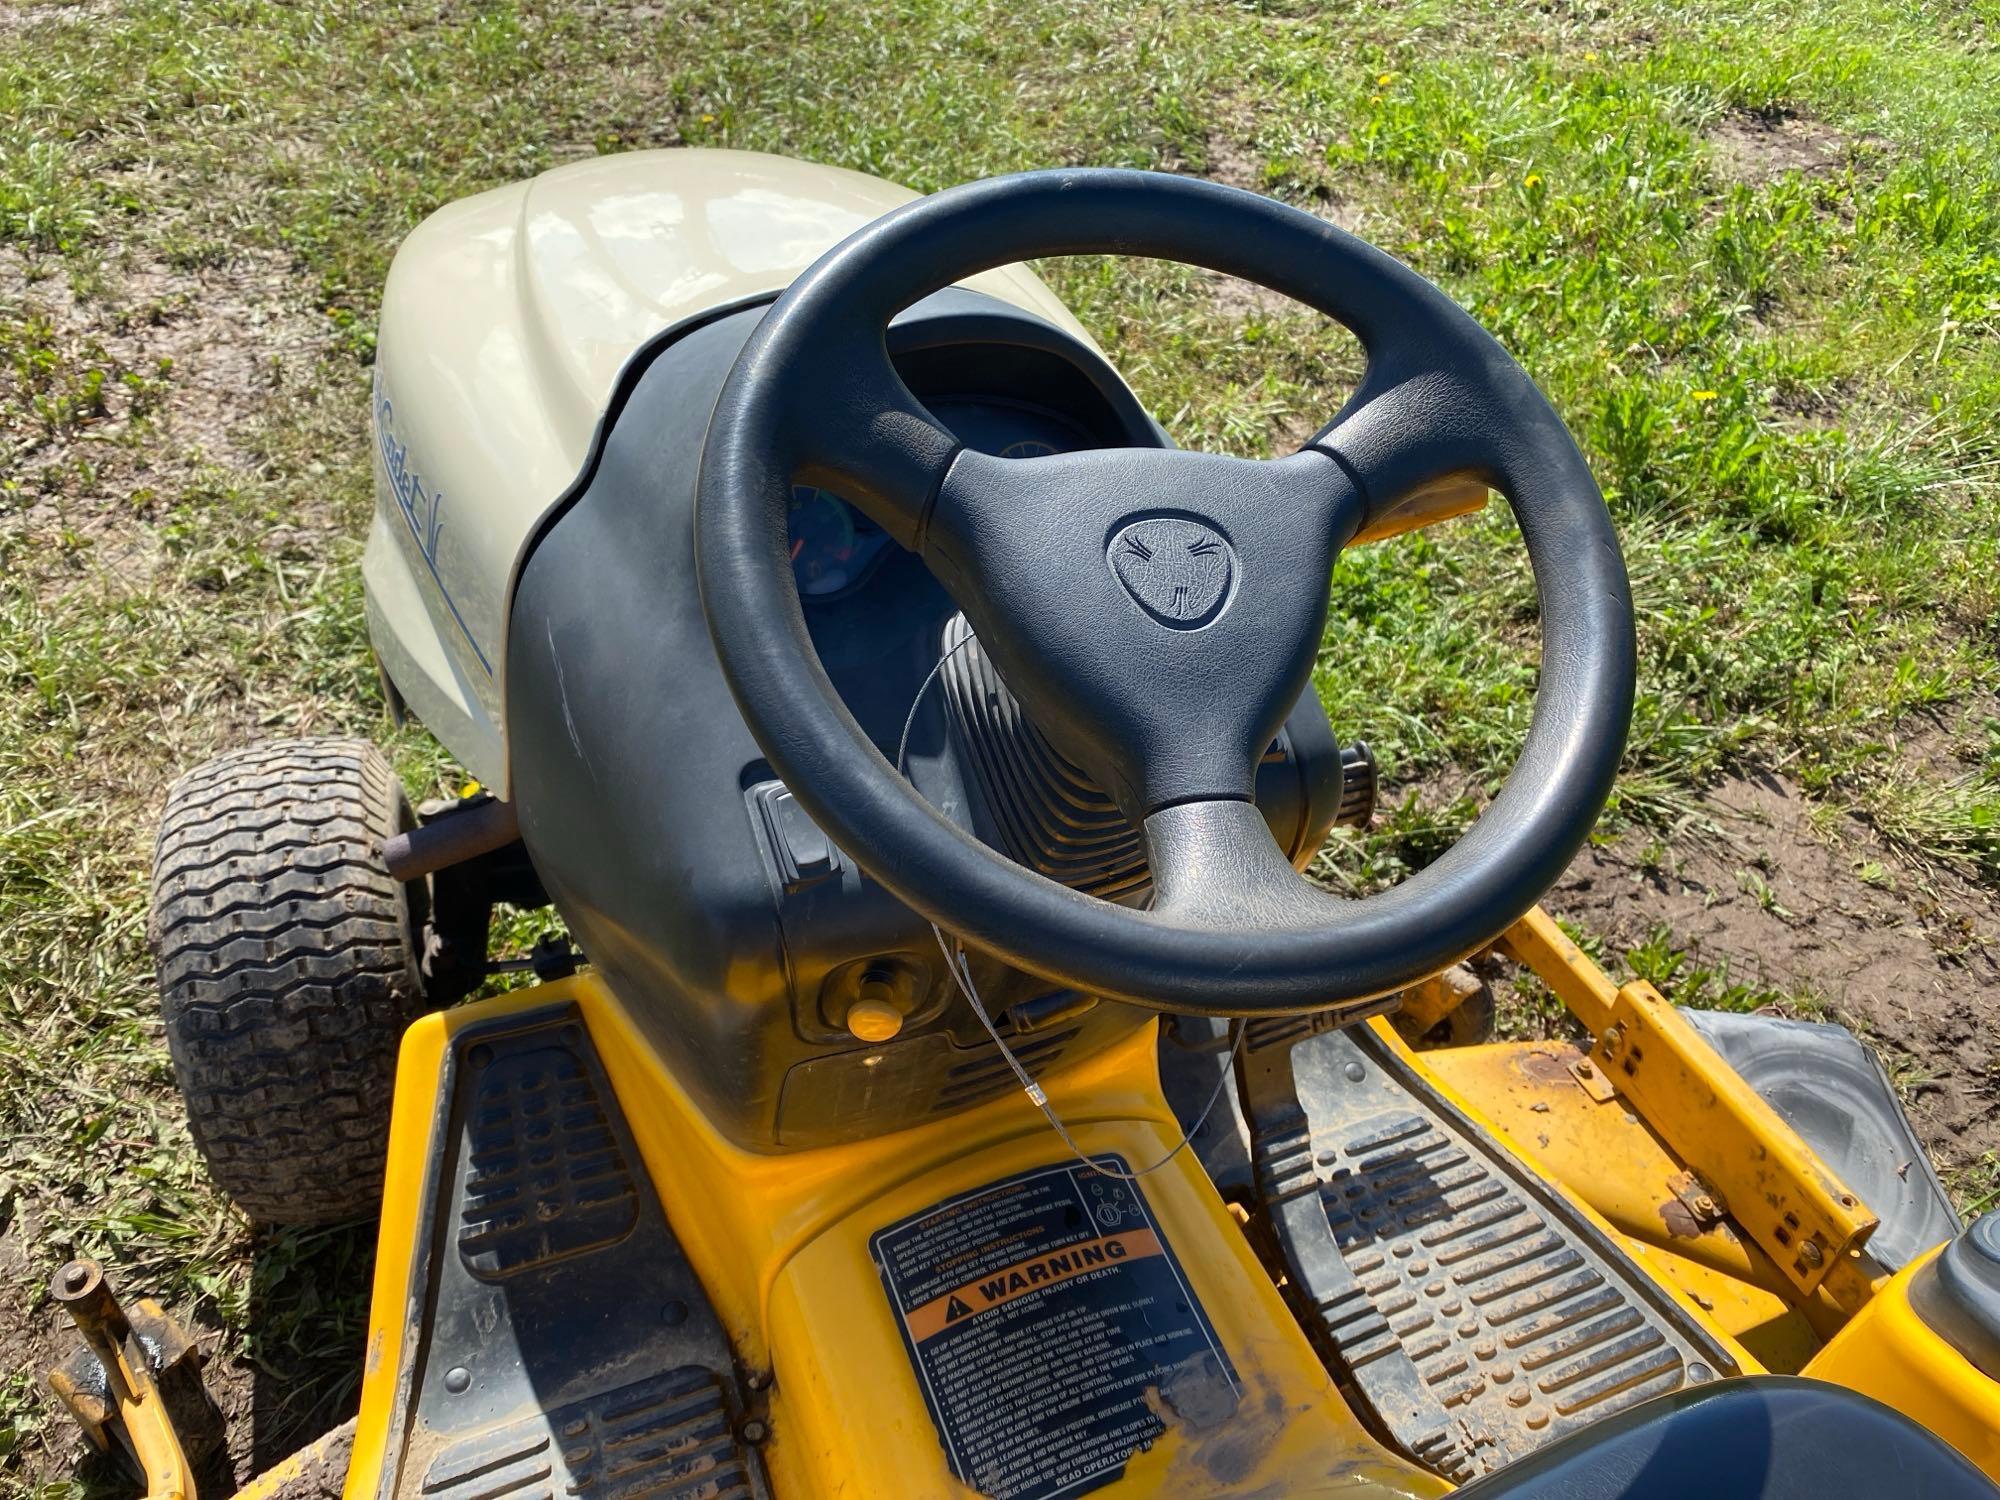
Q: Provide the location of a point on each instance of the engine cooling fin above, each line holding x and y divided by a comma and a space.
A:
1468, 1307
1052, 816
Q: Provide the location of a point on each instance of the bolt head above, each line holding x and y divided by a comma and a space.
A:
76, 1281
458, 1380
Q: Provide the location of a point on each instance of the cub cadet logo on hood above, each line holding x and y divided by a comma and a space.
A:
1177, 569
423, 509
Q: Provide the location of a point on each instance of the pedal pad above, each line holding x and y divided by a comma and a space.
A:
560, 1342
665, 1436
1473, 1309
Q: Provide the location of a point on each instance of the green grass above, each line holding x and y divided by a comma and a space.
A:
1787, 381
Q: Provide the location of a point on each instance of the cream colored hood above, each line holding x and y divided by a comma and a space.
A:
506, 322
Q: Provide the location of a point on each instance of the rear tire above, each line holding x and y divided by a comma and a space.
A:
288, 964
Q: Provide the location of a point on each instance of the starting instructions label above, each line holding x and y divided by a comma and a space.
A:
1039, 1311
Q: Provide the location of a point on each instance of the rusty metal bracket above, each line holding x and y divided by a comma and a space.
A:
1704, 1202
1426, 1004
1747, 1158
135, 1385
1593, 1081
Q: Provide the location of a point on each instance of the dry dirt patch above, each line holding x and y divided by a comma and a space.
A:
1235, 163
1906, 959
1756, 148
134, 394
19, 17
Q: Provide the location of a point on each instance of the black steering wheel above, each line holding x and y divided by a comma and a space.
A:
1157, 611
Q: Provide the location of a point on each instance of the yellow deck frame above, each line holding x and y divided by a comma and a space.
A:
781, 1245
781, 1242
1751, 1164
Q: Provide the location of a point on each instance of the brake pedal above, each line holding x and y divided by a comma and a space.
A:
1472, 1310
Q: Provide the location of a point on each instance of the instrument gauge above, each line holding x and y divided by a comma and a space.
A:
832, 544
1029, 448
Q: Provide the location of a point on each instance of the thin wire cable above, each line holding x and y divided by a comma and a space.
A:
961, 973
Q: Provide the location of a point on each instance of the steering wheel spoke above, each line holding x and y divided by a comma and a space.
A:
1216, 864
1407, 431
862, 434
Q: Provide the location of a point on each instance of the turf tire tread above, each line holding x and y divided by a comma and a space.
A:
288, 970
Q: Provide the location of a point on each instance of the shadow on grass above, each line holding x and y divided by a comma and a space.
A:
305, 1336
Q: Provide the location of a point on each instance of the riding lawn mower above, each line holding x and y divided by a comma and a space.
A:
956, 1086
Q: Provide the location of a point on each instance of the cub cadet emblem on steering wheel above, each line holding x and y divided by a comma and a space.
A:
1176, 570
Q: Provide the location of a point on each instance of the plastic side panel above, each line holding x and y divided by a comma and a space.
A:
412, 652
470, 445
613, 250
507, 322
742, 1216
1887, 1351
781, 1244
412, 1150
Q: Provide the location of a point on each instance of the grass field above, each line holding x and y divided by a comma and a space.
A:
1752, 250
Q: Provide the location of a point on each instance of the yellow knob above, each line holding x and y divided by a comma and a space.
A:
872, 1019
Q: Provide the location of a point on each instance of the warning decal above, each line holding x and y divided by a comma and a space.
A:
1039, 1312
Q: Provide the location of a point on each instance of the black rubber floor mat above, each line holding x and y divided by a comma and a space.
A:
1461, 1301
548, 1177
560, 1343
666, 1437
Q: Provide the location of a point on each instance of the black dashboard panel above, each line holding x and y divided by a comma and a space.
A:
734, 932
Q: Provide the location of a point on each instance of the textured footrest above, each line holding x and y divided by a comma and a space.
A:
560, 1343
1474, 1309
667, 1437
